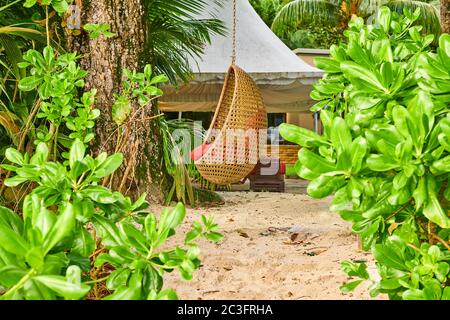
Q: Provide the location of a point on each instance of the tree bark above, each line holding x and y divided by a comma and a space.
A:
105, 59
445, 16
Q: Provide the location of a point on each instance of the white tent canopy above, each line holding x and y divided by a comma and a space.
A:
283, 78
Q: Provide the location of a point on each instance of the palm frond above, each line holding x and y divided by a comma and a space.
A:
429, 15
175, 158
13, 55
7, 5
304, 12
174, 34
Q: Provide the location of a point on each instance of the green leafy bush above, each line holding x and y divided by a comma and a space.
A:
73, 237
57, 80
385, 152
49, 252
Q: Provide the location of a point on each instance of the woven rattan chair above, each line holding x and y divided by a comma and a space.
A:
240, 108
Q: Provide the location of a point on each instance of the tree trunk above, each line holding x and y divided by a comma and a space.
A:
105, 59
445, 16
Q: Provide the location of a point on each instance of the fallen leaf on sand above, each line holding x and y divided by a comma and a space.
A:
242, 233
297, 238
315, 251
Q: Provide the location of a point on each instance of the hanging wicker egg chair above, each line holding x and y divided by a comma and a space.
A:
233, 150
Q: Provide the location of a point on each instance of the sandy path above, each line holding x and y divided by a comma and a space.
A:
257, 260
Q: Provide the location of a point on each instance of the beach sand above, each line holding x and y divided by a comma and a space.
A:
276, 246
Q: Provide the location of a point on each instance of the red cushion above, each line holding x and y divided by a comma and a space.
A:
282, 168
198, 152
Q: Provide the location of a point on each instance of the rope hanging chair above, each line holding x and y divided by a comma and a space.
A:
230, 152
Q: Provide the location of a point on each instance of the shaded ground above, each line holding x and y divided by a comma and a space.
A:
276, 246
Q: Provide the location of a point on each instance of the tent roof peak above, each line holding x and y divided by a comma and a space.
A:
259, 51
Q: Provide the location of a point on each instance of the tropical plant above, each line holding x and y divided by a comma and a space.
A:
385, 151
268, 9
68, 235
71, 227
336, 13
57, 80
18, 32
176, 33
73, 237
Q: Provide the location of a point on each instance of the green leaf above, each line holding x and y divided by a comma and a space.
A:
54, 263
40, 155
363, 78
172, 218
314, 162
340, 135
166, 294
29, 3
400, 116
420, 194
43, 219
60, 6
133, 237
359, 55
100, 194
63, 226
355, 269
169, 220
109, 231
381, 49
35, 258
150, 227
132, 292
30, 83
11, 220
378, 162
358, 150
445, 293
34, 290
121, 109
328, 65
384, 18
77, 152
161, 78
15, 181
191, 236
48, 55
434, 211
324, 186
13, 242
350, 286
125, 293
103, 258
441, 166
10, 275
118, 278
301, 136
84, 243
14, 156
413, 294
141, 203
444, 44
214, 236
388, 256
111, 164
64, 288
